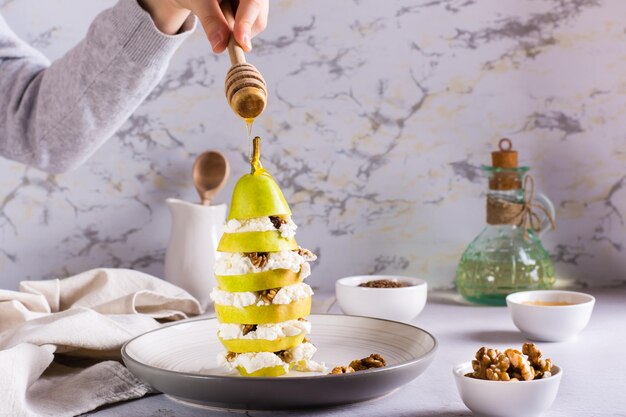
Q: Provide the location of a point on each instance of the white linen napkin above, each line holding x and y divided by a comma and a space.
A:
47, 325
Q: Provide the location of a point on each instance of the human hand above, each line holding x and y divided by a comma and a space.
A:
250, 19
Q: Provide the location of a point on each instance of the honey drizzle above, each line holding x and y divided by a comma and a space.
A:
255, 159
249, 131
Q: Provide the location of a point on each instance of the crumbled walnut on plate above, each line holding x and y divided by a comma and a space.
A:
374, 360
337, 370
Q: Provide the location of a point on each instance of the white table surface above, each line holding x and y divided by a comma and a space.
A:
594, 378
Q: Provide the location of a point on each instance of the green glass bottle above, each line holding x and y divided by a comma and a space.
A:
505, 257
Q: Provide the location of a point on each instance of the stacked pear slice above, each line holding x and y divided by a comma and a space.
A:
254, 301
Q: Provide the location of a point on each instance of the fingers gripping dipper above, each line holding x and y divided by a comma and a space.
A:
245, 87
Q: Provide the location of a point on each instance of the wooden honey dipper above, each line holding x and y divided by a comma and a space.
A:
245, 87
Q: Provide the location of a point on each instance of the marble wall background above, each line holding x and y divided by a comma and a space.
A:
380, 114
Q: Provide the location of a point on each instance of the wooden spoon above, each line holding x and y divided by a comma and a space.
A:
210, 172
245, 87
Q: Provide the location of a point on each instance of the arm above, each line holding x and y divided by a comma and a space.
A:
55, 116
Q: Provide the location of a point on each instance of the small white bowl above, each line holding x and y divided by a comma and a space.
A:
506, 399
399, 304
550, 323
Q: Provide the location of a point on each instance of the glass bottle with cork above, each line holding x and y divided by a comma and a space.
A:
507, 256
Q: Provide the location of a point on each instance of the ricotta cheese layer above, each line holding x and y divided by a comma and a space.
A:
260, 224
285, 295
238, 263
252, 362
270, 331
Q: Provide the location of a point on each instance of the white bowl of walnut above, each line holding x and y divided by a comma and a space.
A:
508, 383
390, 297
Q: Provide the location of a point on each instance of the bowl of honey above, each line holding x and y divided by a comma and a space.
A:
552, 315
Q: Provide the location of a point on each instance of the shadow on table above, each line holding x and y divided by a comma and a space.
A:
508, 337
428, 413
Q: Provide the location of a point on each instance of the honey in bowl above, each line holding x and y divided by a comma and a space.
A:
541, 303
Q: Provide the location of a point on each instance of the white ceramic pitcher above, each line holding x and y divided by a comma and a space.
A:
196, 230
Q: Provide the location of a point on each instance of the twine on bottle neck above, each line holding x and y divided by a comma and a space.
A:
524, 214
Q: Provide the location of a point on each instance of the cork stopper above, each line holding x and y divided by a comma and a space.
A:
506, 157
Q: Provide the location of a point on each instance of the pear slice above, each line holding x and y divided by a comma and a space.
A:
273, 313
257, 194
270, 371
269, 241
259, 281
262, 345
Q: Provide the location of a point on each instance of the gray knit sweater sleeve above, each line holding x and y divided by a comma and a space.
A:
54, 116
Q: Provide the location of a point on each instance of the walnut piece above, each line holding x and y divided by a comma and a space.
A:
510, 365
372, 361
484, 358
497, 371
490, 364
285, 355
258, 259
306, 254
337, 370
277, 221
520, 364
230, 356
267, 296
542, 366
247, 328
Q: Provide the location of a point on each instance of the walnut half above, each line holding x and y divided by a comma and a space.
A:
268, 295
247, 328
285, 355
337, 370
277, 221
484, 358
542, 366
258, 259
520, 364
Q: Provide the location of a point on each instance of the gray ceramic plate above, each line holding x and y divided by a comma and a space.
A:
180, 360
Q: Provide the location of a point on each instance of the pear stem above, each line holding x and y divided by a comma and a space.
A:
255, 160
